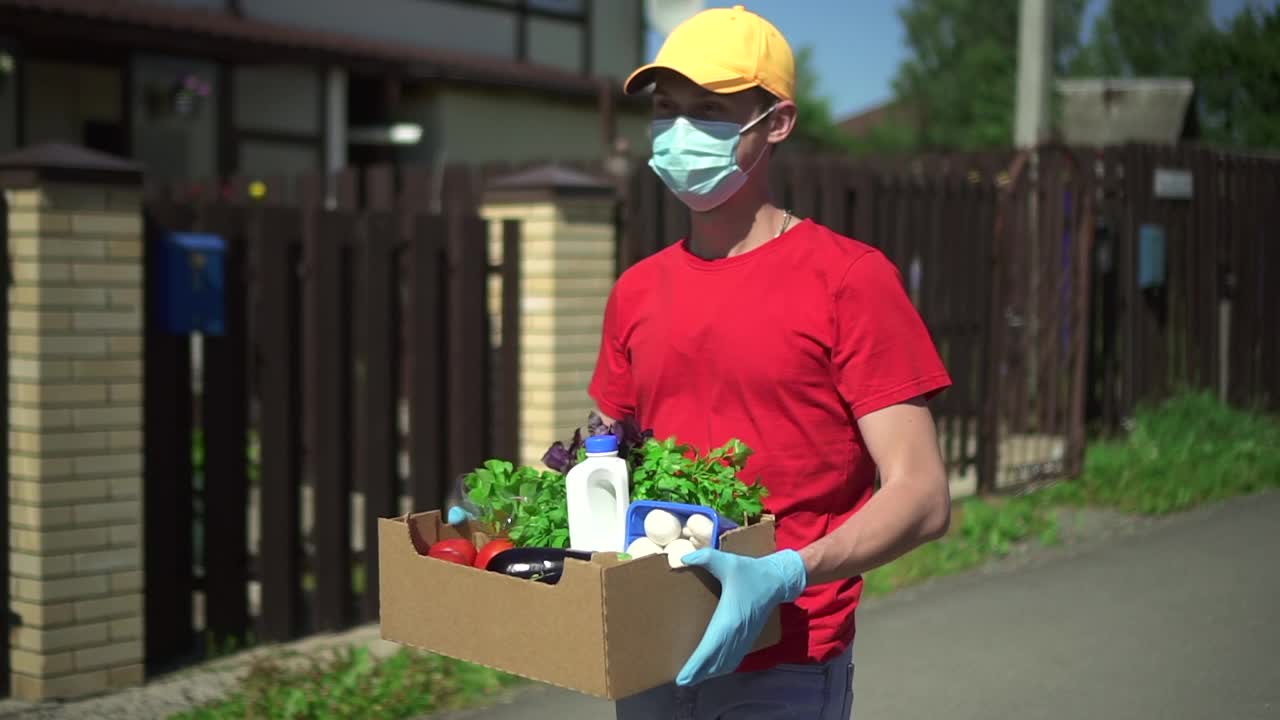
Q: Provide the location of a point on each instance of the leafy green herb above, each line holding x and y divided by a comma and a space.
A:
528, 506
673, 472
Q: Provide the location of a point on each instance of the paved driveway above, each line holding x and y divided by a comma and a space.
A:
1177, 621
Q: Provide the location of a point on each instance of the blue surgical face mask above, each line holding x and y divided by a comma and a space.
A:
698, 159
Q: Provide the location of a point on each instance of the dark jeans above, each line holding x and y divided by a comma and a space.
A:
812, 692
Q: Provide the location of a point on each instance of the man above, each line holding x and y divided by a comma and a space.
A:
798, 341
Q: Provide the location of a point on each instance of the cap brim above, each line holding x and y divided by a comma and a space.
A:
717, 80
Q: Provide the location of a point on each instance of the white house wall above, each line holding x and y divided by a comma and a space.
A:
555, 43
616, 43
478, 126
615, 37
206, 4
277, 98
421, 23
257, 159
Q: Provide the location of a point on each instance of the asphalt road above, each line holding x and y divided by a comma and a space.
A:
1180, 620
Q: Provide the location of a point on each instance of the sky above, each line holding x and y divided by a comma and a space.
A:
858, 44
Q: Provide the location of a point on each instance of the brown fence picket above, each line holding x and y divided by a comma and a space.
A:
507, 407
803, 181
1082, 235
467, 345
426, 390
380, 188
376, 473
167, 463
1270, 302
275, 237
226, 436
833, 210
327, 375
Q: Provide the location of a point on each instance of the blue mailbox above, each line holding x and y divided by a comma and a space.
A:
191, 283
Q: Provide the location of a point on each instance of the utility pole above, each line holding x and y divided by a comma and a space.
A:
1030, 127
1035, 73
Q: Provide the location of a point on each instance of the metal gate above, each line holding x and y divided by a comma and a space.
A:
1038, 321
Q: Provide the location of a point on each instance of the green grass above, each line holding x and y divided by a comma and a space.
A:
981, 530
1185, 452
349, 683
1188, 451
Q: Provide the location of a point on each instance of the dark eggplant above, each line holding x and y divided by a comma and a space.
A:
534, 563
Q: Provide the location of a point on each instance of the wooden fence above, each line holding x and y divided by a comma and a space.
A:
346, 315
337, 319
932, 218
1025, 268
1211, 321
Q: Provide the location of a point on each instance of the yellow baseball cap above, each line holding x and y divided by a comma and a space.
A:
725, 50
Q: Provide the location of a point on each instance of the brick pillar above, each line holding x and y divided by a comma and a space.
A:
567, 267
75, 434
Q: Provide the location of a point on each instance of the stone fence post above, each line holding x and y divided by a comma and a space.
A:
75, 333
567, 267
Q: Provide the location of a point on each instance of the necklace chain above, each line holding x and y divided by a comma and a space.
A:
786, 222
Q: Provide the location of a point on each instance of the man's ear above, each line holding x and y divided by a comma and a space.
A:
782, 121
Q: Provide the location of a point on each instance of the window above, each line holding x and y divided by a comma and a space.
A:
8, 99
575, 8
546, 32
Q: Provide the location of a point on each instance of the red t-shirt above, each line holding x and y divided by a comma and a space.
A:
782, 347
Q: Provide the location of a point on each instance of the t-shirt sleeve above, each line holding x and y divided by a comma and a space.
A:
611, 386
882, 352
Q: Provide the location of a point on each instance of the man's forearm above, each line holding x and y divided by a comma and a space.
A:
897, 519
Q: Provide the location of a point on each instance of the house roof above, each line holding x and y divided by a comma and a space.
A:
1105, 111
63, 162
141, 24
864, 121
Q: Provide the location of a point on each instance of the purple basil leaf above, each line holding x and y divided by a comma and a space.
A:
558, 458
595, 425
630, 436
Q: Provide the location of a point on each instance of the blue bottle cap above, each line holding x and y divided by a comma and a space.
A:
602, 444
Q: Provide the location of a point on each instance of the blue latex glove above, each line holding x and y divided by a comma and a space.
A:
749, 590
457, 515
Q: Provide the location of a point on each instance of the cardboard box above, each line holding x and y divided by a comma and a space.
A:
609, 628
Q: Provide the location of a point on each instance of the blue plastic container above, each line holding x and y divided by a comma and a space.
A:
638, 509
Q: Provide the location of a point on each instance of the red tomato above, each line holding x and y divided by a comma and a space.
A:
455, 550
491, 548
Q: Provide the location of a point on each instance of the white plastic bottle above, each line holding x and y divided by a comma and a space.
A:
599, 493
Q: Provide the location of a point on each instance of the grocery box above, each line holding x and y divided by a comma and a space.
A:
609, 627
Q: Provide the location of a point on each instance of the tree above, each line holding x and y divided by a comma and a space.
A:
1145, 38
1238, 78
816, 129
1236, 71
961, 74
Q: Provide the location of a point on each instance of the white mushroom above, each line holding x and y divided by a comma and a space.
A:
677, 550
700, 529
661, 526
642, 546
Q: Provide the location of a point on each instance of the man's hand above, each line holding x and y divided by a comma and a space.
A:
749, 590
